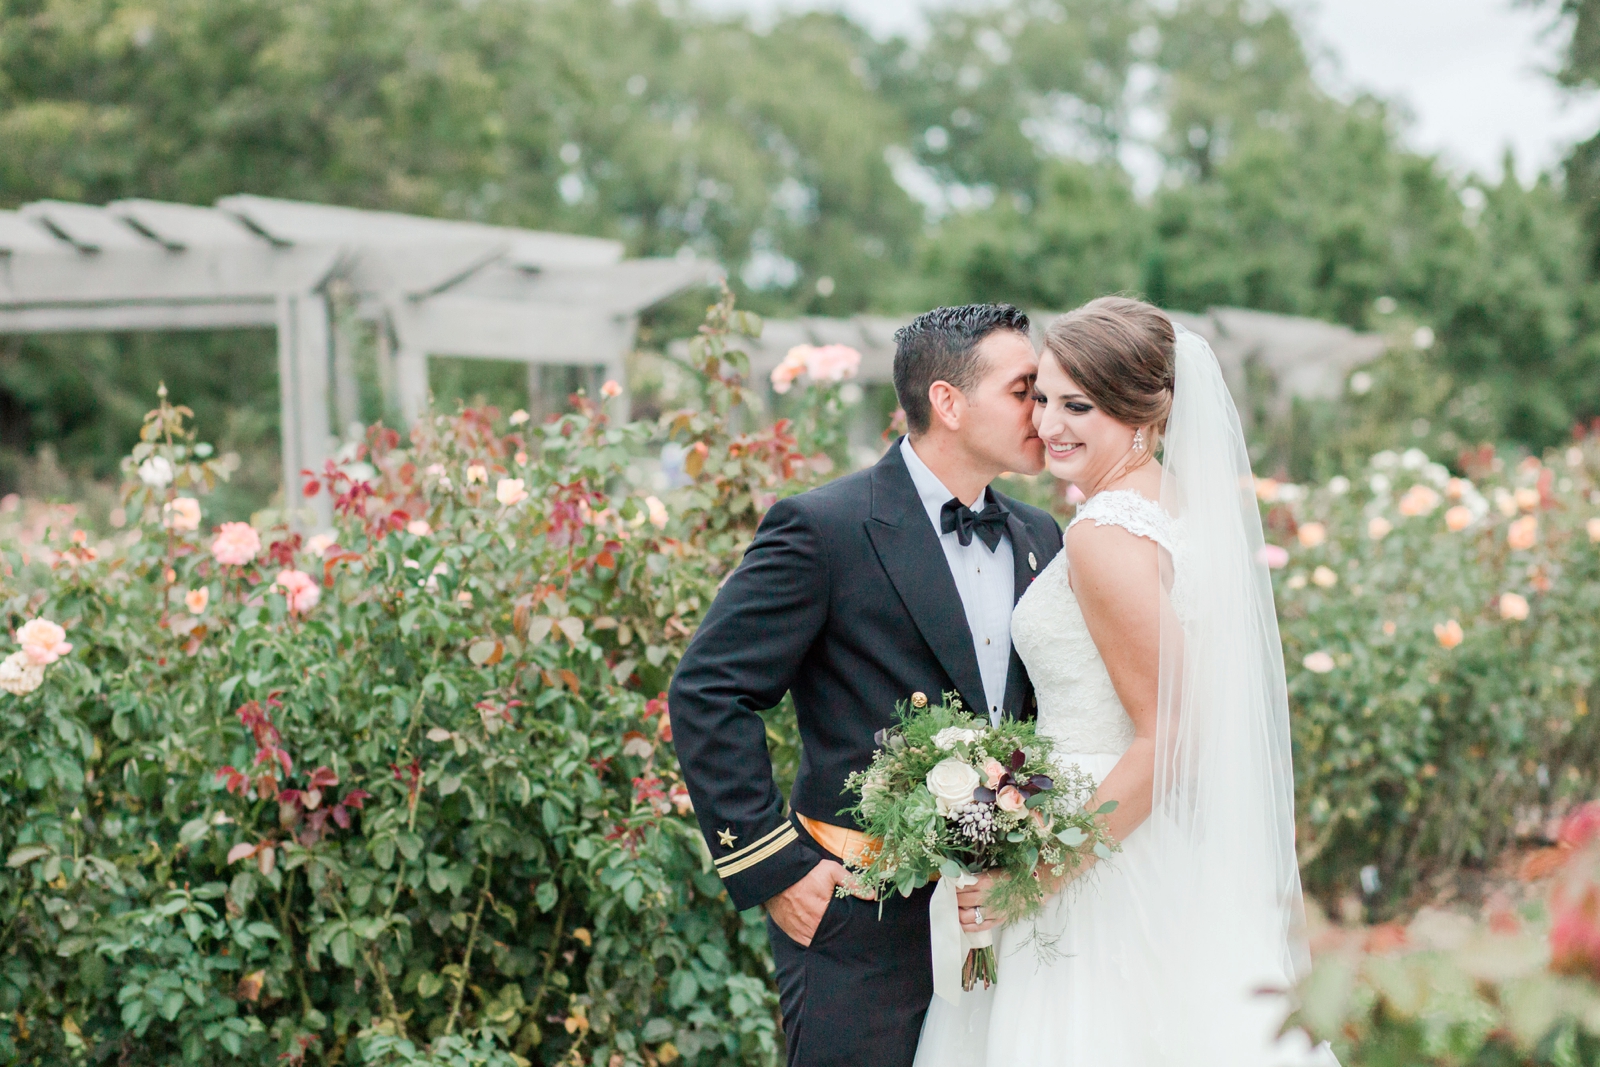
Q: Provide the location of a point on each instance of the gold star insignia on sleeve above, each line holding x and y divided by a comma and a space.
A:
727, 837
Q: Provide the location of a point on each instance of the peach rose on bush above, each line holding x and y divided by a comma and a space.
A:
1524, 533
181, 515
510, 491
1449, 634
299, 589
236, 544
43, 641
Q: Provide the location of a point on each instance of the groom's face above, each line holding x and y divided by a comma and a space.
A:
998, 422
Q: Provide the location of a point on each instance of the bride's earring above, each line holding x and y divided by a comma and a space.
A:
1138, 440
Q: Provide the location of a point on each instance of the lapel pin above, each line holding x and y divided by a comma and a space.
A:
1033, 564
727, 837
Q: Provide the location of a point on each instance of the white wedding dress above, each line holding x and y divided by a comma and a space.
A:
1074, 986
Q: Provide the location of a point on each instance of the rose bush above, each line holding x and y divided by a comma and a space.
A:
1440, 631
401, 792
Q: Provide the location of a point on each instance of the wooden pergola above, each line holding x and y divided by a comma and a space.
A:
431, 287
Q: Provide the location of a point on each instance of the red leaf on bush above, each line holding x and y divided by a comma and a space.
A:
267, 859
323, 777
342, 817
311, 489
355, 799
243, 850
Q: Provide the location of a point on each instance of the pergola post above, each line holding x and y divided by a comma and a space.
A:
411, 372
303, 342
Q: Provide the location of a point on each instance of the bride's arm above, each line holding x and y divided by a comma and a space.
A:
1116, 576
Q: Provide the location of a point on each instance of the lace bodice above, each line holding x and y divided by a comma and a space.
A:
1077, 705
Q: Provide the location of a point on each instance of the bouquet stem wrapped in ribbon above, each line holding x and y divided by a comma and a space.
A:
949, 796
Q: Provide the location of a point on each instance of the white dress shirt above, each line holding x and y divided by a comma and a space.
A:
984, 579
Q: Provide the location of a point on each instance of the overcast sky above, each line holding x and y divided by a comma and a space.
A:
1472, 72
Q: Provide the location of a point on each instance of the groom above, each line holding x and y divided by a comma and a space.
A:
890, 584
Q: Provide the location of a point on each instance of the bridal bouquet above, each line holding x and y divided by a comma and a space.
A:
949, 796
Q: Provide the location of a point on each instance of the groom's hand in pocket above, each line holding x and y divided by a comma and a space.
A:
972, 897
798, 909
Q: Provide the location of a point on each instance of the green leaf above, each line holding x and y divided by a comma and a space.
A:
1102, 851
343, 947
429, 985
21, 857
682, 989
410, 845
546, 896
1107, 808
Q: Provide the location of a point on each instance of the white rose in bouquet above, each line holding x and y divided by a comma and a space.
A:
952, 782
951, 736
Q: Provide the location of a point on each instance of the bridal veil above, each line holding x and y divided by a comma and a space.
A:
1230, 904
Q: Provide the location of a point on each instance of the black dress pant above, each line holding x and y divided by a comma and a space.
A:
855, 997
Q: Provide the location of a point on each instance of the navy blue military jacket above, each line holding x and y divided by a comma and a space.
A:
845, 599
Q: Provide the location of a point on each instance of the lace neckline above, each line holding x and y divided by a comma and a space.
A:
1131, 510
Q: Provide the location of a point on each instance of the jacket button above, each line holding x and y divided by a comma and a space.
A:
919, 700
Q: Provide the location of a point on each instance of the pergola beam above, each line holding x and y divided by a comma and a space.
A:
432, 286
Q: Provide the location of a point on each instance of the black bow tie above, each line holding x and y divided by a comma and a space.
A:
989, 523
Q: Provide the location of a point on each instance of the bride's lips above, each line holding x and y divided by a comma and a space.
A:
1062, 451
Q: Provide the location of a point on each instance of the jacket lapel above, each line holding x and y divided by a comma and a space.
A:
912, 557
1023, 574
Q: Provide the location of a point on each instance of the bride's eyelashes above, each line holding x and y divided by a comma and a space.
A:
1073, 406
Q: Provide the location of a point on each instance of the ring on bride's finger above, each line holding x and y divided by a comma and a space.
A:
977, 916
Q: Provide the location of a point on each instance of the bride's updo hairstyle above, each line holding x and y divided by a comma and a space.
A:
1120, 352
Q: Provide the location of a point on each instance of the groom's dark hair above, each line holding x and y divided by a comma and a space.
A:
942, 346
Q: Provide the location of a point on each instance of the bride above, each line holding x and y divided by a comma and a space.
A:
1153, 648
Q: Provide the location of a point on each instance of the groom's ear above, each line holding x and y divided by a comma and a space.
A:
948, 404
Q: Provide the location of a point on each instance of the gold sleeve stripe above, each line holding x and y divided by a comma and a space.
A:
752, 846
777, 845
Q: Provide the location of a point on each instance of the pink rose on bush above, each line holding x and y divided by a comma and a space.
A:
237, 543
43, 641
299, 589
1010, 799
1581, 826
833, 363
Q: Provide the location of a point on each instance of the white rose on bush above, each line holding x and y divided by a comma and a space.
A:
951, 736
20, 675
952, 782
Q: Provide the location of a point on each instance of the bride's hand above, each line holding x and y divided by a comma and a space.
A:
970, 901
